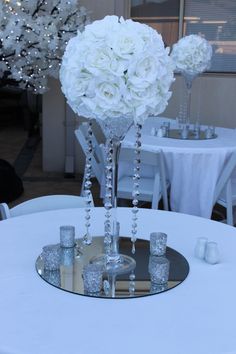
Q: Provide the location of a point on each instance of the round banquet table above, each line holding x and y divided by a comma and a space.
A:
192, 166
196, 317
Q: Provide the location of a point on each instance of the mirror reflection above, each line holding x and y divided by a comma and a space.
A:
70, 269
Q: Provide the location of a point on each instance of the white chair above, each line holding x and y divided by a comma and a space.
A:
44, 203
152, 189
225, 191
97, 154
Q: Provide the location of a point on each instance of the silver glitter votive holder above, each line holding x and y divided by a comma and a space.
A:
53, 277
67, 236
158, 288
51, 256
158, 268
158, 242
92, 277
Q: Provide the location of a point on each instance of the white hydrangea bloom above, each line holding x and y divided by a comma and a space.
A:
115, 68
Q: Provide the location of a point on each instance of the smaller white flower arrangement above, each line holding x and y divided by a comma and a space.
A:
192, 54
117, 68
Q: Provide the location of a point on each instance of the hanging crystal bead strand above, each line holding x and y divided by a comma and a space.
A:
87, 185
132, 284
108, 195
136, 185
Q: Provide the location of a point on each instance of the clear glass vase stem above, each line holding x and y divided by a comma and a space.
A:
113, 251
189, 96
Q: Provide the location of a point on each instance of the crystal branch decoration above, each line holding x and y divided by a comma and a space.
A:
136, 185
87, 185
108, 194
34, 35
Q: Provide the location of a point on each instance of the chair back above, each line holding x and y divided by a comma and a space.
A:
225, 176
49, 202
97, 156
154, 159
150, 158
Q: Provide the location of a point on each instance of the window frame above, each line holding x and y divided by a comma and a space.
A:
180, 34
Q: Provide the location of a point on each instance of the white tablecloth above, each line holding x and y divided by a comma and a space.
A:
196, 317
193, 167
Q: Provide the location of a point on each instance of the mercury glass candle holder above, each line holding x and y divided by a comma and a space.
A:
158, 288
158, 268
158, 243
185, 131
92, 277
53, 277
67, 236
51, 256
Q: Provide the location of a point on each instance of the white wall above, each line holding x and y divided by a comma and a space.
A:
214, 97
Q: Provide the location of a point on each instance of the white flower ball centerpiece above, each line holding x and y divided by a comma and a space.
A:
117, 72
117, 68
191, 56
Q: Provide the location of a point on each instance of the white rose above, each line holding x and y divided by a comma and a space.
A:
125, 43
143, 71
109, 91
102, 59
99, 30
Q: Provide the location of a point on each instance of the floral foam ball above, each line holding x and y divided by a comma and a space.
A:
117, 68
192, 54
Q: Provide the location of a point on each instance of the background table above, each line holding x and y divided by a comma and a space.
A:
193, 166
196, 317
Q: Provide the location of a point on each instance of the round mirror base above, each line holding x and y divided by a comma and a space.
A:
132, 281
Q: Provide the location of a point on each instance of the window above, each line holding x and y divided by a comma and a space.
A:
161, 15
213, 19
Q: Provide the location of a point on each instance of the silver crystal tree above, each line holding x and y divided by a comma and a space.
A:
33, 37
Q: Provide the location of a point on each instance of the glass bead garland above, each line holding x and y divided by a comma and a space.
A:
132, 284
136, 185
108, 194
87, 185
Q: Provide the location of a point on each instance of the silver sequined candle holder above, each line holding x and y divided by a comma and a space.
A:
158, 268
53, 277
158, 242
92, 277
51, 256
67, 236
158, 288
